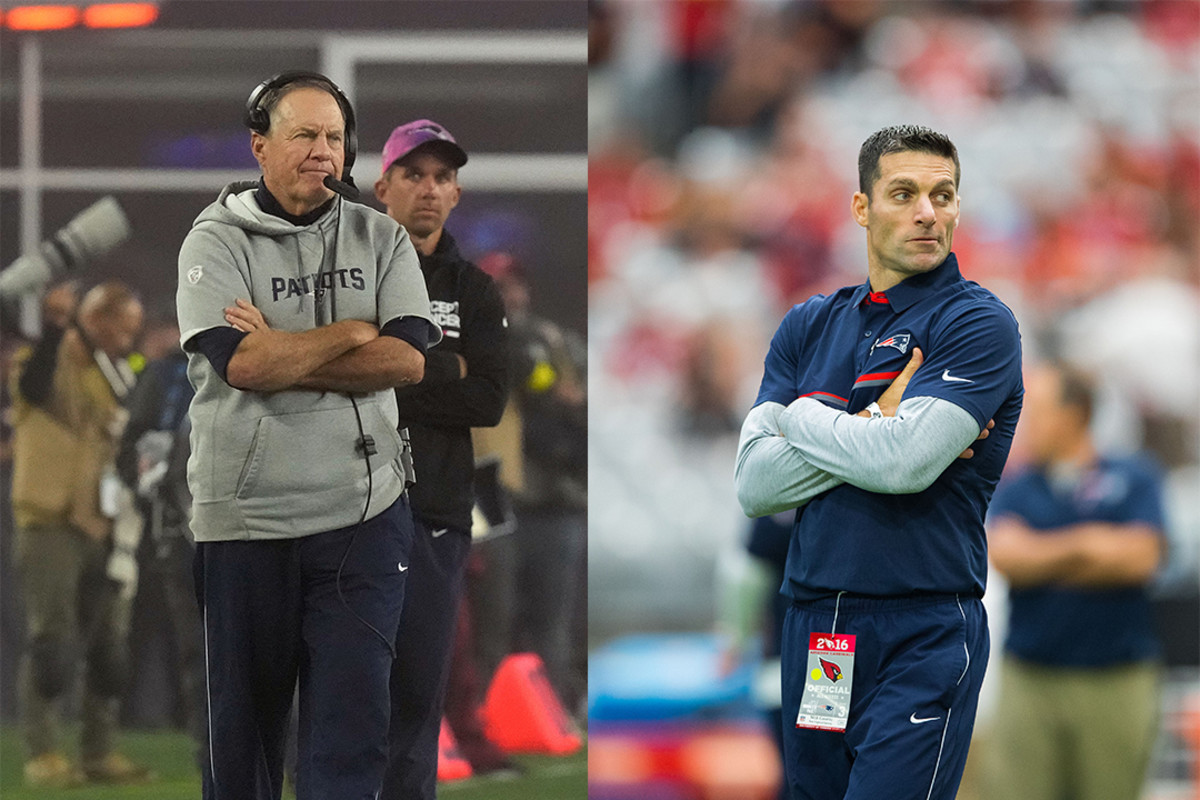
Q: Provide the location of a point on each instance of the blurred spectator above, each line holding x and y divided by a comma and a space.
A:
1079, 536
491, 572
485, 624
67, 419
12, 608
152, 462
551, 506
750, 606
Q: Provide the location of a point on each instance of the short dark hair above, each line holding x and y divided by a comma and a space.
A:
899, 139
1076, 389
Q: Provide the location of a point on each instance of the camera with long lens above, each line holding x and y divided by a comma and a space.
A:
89, 236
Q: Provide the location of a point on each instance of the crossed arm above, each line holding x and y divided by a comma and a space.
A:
1091, 554
788, 455
345, 356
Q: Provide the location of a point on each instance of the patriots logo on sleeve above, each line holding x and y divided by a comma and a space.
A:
899, 341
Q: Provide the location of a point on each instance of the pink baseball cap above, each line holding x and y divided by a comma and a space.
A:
422, 133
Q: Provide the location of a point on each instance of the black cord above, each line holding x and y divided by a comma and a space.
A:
365, 443
367, 447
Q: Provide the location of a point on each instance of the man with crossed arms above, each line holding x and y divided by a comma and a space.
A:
869, 400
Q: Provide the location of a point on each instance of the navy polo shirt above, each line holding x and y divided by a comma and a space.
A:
1083, 627
845, 349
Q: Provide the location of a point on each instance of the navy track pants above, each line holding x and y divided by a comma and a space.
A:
422, 667
272, 613
918, 666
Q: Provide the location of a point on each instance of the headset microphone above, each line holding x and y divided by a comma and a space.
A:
344, 188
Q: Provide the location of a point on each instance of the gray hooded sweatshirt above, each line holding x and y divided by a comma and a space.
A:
276, 465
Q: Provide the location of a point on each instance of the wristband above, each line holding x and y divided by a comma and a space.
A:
876, 412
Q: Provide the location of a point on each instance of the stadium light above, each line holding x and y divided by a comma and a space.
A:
41, 18
95, 15
120, 15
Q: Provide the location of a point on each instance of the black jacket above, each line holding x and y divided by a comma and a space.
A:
440, 411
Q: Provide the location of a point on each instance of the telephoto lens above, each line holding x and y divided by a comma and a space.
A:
92, 233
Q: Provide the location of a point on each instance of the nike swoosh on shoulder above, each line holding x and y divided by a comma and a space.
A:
946, 376
915, 720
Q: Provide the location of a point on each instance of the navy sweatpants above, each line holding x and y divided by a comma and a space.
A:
918, 666
422, 666
272, 613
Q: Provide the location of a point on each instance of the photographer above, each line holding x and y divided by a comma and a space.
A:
67, 418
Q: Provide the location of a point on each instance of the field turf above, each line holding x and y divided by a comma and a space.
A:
169, 753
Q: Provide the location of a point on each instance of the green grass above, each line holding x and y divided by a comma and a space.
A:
169, 753
546, 778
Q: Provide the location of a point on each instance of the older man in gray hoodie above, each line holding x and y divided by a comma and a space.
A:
300, 313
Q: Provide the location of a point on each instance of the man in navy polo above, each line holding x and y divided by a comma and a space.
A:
1079, 536
873, 421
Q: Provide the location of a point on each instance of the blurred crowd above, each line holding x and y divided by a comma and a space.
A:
723, 142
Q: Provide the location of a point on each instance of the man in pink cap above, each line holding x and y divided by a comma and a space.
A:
465, 386
415, 152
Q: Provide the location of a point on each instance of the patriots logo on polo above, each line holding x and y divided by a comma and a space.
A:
832, 670
899, 341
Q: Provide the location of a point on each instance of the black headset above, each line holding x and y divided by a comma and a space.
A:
258, 119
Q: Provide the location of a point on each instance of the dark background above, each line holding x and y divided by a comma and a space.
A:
171, 97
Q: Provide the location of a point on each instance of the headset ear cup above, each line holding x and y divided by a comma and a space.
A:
253, 116
256, 120
351, 149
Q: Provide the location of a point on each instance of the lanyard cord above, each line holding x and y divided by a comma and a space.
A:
836, 606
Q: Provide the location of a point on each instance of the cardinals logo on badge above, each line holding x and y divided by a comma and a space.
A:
832, 670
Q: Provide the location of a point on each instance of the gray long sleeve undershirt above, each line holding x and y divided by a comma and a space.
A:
787, 456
